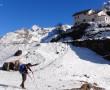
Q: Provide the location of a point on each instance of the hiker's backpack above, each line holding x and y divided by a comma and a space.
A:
23, 69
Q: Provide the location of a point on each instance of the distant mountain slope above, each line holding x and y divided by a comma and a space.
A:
35, 34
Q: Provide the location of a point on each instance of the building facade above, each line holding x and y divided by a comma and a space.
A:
99, 16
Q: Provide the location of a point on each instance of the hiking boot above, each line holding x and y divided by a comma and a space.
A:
22, 86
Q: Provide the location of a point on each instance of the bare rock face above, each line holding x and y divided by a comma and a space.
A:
85, 87
88, 86
102, 47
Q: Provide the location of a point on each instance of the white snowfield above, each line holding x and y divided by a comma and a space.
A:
61, 66
65, 70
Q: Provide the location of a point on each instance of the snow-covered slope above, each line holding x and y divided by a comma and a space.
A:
68, 69
61, 66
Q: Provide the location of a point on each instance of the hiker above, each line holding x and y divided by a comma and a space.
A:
23, 69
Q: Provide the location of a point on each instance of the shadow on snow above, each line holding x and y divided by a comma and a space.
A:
88, 55
9, 86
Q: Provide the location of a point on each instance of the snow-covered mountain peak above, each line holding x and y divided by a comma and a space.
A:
67, 26
36, 27
35, 34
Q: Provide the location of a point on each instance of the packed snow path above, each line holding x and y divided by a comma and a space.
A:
61, 67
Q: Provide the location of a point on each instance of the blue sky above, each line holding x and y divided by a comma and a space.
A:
15, 14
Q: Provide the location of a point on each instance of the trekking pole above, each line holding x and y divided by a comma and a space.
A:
34, 81
33, 76
29, 76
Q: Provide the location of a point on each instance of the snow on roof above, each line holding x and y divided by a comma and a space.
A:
83, 11
86, 11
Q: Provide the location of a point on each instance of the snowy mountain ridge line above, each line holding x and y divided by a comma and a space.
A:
35, 34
